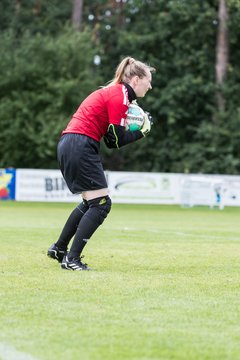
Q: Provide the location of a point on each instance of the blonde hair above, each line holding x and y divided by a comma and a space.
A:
128, 68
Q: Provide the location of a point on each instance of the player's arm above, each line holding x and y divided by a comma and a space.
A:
117, 136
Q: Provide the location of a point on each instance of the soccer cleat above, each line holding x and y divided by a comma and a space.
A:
74, 264
55, 253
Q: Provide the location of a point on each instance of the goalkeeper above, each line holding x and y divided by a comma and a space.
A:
101, 115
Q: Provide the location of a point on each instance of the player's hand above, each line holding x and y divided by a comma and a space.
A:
145, 130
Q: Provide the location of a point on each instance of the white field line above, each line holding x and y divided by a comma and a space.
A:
179, 233
9, 353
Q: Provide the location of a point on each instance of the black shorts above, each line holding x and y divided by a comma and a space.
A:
80, 163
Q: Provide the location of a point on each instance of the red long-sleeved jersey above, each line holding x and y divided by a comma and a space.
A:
104, 106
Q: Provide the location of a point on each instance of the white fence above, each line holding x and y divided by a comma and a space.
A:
136, 187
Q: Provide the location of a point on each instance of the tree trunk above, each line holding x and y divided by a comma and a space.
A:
77, 14
37, 7
221, 52
17, 5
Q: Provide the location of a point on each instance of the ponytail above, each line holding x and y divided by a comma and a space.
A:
128, 68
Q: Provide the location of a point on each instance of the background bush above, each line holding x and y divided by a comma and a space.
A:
48, 69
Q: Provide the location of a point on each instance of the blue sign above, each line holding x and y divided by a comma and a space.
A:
7, 184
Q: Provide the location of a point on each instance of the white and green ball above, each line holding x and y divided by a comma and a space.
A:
135, 117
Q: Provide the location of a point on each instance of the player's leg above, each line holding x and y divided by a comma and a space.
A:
99, 207
58, 249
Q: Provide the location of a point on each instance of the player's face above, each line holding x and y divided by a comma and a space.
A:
141, 86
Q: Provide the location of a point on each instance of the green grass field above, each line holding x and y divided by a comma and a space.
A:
166, 285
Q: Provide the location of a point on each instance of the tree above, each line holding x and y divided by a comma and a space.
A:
42, 82
195, 51
222, 52
77, 14
183, 87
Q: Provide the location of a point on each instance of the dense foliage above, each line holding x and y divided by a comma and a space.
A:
48, 68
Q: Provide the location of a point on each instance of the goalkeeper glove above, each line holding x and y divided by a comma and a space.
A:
145, 130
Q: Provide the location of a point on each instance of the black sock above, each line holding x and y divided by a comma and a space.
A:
71, 225
92, 219
85, 230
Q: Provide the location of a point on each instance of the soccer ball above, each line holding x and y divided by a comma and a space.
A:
135, 117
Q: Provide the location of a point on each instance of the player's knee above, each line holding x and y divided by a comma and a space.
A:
101, 207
